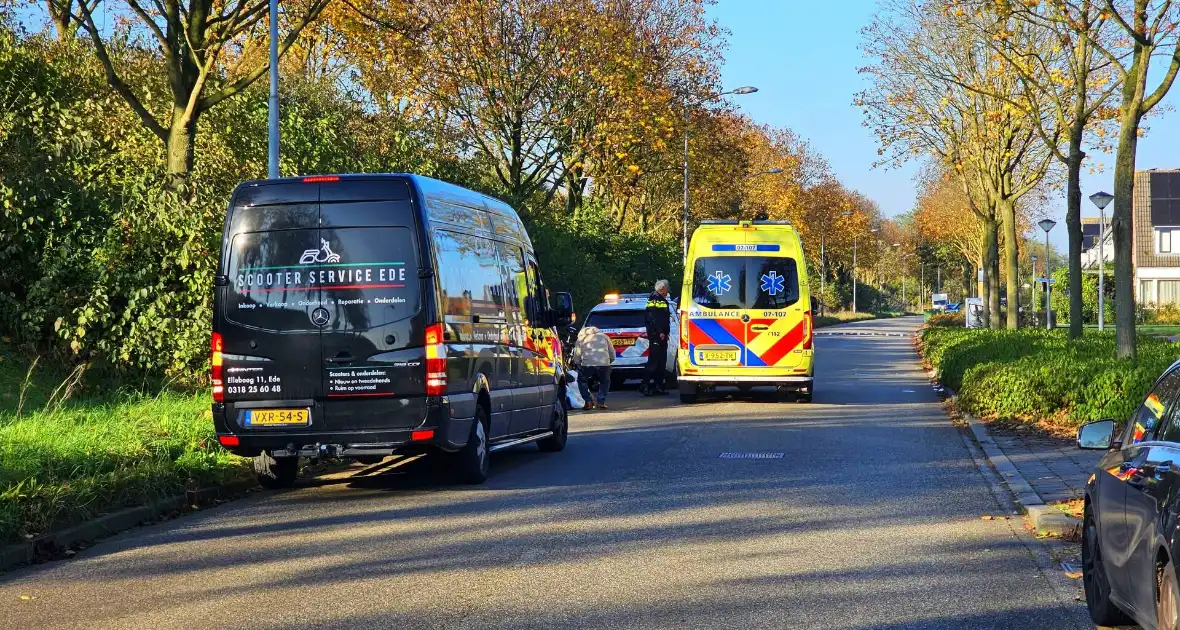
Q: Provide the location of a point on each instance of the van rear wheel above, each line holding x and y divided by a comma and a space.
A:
688, 392
472, 459
275, 472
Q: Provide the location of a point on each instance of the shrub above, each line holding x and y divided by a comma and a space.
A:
948, 320
1038, 374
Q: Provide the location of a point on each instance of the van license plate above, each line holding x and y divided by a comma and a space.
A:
277, 417
622, 342
720, 356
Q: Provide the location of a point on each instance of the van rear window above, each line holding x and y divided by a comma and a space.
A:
735, 282
361, 277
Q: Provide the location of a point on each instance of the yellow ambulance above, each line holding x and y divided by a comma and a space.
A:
745, 310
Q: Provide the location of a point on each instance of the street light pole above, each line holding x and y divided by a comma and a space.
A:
272, 148
854, 273
684, 227
1101, 199
1033, 257
822, 273
1046, 225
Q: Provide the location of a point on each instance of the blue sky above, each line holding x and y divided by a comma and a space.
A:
803, 57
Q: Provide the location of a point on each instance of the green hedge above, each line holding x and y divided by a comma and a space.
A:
1037, 374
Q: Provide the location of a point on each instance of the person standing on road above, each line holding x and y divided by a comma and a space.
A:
593, 354
658, 316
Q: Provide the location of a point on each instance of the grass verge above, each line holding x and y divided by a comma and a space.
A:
1038, 377
74, 452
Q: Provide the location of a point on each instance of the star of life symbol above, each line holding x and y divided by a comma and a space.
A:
322, 255
719, 283
772, 283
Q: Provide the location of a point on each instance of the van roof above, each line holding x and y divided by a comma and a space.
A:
426, 185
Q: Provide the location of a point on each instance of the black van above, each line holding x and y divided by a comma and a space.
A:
366, 315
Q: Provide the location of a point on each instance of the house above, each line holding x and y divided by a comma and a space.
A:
1090, 249
1156, 251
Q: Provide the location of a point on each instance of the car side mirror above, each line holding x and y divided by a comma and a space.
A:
814, 305
1096, 436
563, 309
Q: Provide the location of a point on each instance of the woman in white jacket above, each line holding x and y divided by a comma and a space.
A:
593, 354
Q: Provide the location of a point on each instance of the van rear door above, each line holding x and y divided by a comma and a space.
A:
373, 330
751, 315
264, 303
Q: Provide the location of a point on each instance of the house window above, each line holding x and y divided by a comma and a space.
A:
1147, 292
1164, 237
1169, 292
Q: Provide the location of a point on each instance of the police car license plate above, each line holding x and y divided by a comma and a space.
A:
717, 356
622, 342
277, 417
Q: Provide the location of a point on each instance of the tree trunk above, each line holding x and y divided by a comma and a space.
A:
1121, 226
1007, 209
968, 270
1073, 225
992, 271
180, 145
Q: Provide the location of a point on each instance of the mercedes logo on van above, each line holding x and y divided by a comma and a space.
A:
320, 316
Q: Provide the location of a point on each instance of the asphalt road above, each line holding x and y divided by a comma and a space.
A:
870, 519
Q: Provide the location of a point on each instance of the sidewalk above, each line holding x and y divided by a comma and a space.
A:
1056, 469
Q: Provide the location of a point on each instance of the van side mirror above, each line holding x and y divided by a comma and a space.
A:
1096, 436
563, 309
814, 305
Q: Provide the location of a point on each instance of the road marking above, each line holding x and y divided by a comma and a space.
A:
821, 333
762, 455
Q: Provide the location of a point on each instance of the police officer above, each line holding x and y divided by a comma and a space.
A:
658, 317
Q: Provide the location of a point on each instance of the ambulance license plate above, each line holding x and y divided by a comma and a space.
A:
717, 356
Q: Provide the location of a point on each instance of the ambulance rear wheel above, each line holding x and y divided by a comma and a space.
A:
688, 393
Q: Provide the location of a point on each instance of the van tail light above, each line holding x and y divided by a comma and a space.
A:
215, 360
807, 326
683, 332
436, 361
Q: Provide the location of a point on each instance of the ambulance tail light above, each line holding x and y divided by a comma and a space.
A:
436, 361
808, 324
683, 332
215, 361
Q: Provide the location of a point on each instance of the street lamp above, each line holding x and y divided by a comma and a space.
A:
1101, 199
1046, 225
773, 171
749, 89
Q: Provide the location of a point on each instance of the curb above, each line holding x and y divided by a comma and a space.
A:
1046, 519
51, 544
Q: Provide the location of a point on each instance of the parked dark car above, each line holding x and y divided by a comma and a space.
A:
1132, 513
360, 316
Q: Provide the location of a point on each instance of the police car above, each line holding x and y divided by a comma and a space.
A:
621, 317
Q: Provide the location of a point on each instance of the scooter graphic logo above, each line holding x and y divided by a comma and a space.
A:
319, 256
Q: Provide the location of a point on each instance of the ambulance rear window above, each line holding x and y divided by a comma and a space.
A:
738, 282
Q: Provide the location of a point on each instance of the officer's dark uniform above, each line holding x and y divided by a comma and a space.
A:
657, 315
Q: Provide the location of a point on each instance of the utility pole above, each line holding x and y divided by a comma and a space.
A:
272, 148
